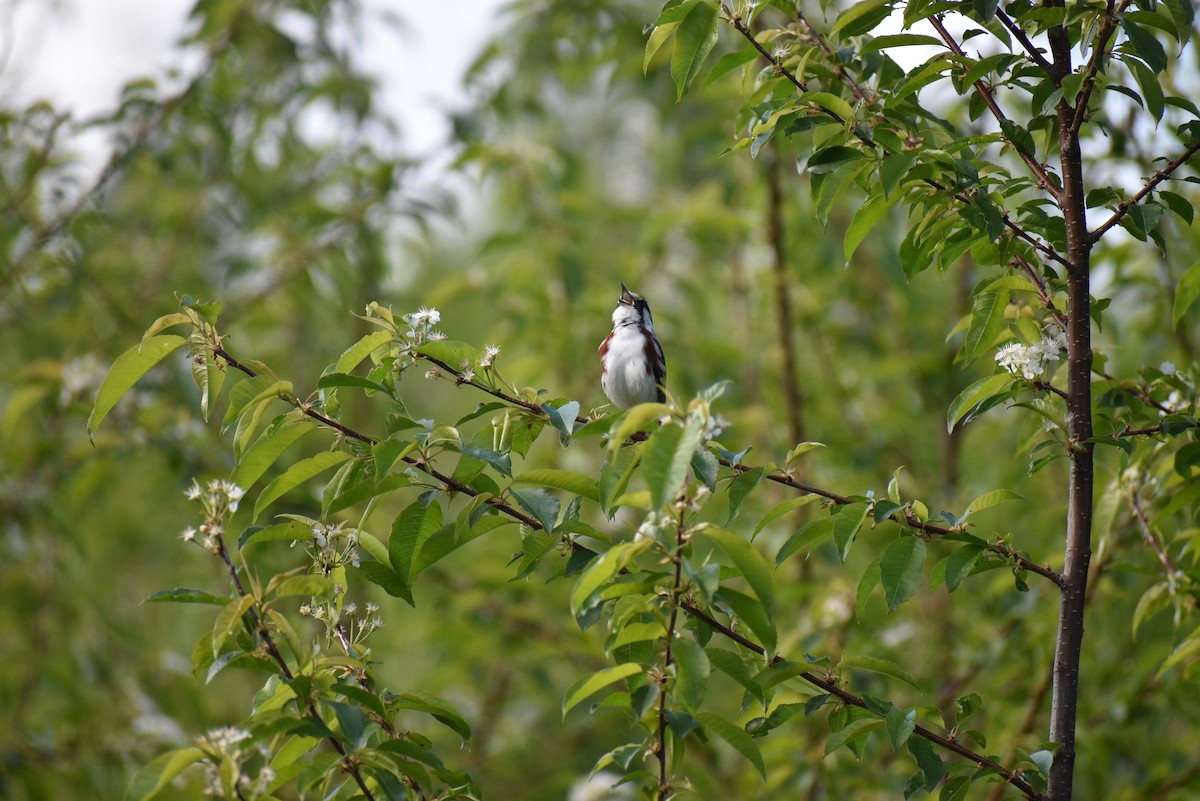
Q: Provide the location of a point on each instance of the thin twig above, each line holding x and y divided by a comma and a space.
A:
1099, 51
838, 66
1020, 35
1042, 290
1144, 524
664, 786
831, 687
1036, 167
1016, 230
1158, 178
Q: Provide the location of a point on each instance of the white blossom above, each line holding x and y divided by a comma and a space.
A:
1022, 359
490, 352
1167, 368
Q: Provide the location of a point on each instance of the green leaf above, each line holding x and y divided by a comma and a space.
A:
781, 509
900, 570
411, 528
636, 419
884, 666
740, 488
850, 732
898, 40
296, 475
588, 686
456, 355
353, 355
388, 580
309, 584
666, 459
959, 564
900, 725
568, 480
127, 370
845, 525
832, 158
160, 771
441, 711
807, 537
1185, 650
861, 17
736, 737
975, 394
749, 562
209, 378
992, 498
987, 321
185, 595
732, 665
694, 40
334, 380
865, 220
1182, 13
691, 673
1186, 292
754, 615
931, 765
267, 449
1147, 47
540, 504
729, 62
601, 570
229, 620
563, 418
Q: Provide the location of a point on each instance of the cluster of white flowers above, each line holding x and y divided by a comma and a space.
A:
220, 500
334, 546
223, 738
649, 529
421, 323
1175, 402
1030, 361
355, 629
490, 352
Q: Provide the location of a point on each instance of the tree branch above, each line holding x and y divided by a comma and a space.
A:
664, 786
838, 66
1099, 51
802, 86
1158, 178
831, 687
984, 92
1042, 290
1034, 53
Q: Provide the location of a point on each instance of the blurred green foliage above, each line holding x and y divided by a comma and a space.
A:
270, 181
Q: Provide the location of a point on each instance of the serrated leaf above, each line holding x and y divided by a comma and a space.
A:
959, 564
732, 665
987, 321
807, 537
539, 503
441, 711
846, 525
749, 562
861, 17
160, 772
740, 488
1186, 292
692, 670
883, 666
975, 394
411, 528
185, 595
353, 355
666, 459
781, 509
900, 570
992, 498
736, 737
851, 731
228, 620
563, 418
127, 370
267, 449
296, 475
754, 615
1147, 47
900, 725
1185, 650
588, 686
865, 220
600, 571
379, 574
694, 40
309, 584
933, 770
568, 480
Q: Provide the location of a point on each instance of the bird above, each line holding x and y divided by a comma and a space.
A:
633, 369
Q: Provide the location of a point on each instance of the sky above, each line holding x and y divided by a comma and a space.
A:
78, 53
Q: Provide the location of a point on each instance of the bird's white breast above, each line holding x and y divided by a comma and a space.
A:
628, 376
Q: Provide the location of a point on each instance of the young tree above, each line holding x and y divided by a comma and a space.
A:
726, 596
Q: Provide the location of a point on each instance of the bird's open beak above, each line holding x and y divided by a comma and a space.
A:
626, 297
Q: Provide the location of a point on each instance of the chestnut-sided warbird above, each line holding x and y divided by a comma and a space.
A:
633, 369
